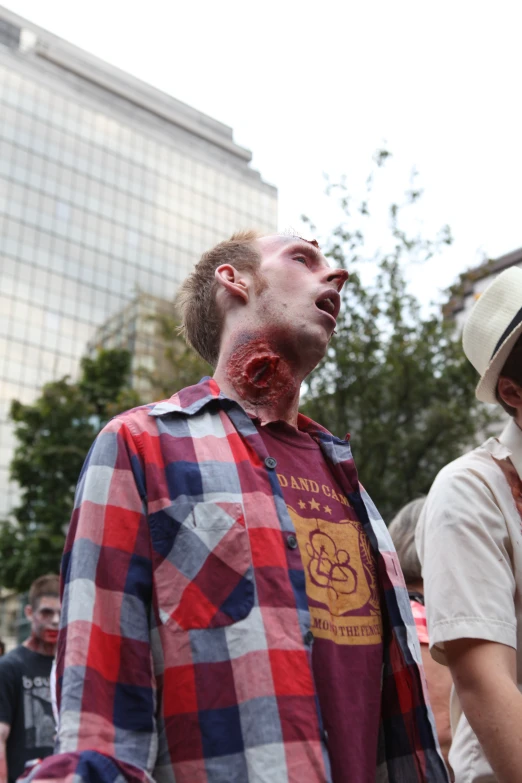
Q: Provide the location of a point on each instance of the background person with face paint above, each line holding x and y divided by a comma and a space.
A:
27, 728
233, 607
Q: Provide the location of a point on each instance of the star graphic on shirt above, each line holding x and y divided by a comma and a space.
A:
327, 510
314, 504
302, 504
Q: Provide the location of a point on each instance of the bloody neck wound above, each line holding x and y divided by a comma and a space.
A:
260, 375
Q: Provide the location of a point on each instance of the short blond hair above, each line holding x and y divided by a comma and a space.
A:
201, 319
402, 531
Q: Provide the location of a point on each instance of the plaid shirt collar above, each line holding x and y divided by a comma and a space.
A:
193, 399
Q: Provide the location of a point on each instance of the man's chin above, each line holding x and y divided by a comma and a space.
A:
314, 348
303, 344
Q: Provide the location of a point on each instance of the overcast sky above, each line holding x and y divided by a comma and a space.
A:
317, 87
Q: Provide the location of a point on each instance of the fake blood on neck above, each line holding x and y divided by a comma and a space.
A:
260, 374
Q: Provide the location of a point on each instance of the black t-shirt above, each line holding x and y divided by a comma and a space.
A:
25, 705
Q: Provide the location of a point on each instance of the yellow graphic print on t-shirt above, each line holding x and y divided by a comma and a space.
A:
340, 574
339, 567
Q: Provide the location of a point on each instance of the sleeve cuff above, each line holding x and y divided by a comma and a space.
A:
469, 628
87, 766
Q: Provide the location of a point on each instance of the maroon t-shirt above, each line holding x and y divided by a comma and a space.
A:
343, 597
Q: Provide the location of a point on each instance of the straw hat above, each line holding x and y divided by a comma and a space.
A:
492, 329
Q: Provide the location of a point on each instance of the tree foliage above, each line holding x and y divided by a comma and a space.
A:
53, 437
177, 365
397, 380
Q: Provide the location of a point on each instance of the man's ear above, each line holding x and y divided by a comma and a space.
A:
510, 392
28, 611
232, 281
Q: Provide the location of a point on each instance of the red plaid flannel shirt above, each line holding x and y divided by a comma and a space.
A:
184, 652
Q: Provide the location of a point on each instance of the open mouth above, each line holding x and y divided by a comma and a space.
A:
329, 302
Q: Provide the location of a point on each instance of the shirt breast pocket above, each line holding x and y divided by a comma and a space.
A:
203, 573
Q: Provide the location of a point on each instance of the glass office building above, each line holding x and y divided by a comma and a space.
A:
109, 189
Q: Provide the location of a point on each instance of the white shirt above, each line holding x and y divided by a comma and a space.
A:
469, 539
52, 683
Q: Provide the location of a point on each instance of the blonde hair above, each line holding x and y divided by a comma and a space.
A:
402, 530
201, 319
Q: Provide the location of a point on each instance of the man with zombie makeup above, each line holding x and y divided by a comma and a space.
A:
233, 606
27, 728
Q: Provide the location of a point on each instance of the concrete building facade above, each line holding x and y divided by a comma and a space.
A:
473, 282
109, 188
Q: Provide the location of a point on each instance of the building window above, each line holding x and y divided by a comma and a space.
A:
9, 34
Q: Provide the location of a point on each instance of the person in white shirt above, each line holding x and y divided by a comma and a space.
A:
469, 540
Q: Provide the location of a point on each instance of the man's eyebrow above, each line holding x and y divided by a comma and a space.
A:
306, 248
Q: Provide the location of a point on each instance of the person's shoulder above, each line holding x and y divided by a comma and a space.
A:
477, 465
13, 659
137, 420
186, 401
472, 480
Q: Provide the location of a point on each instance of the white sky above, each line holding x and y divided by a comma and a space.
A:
317, 87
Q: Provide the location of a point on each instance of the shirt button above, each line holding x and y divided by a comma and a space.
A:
270, 462
325, 736
309, 637
291, 541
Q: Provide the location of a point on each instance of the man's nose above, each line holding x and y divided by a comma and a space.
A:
338, 277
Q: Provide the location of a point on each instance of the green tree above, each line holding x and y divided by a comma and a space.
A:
177, 365
397, 380
53, 437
